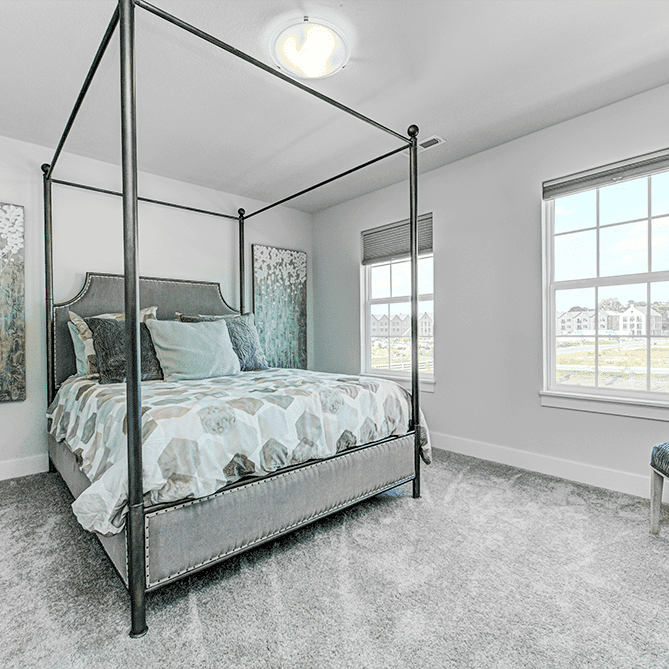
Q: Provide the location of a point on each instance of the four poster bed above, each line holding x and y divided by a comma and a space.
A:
132, 424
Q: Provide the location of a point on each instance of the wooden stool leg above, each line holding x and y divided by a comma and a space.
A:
656, 485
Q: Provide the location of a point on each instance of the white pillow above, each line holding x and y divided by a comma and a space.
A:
193, 350
79, 350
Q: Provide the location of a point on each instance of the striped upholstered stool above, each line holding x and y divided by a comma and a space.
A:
659, 468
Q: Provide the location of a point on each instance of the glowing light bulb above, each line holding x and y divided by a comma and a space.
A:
309, 49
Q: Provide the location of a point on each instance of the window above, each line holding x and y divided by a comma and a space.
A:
606, 269
387, 300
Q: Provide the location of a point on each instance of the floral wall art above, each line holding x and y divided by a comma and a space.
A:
12, 305
280, 304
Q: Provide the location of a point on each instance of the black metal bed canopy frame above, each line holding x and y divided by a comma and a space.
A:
124, 18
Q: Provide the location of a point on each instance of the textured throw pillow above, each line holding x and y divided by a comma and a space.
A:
78, 344
87, 336
109, 342
243, 335
193, 350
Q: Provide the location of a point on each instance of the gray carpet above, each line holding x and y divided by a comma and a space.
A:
493, 567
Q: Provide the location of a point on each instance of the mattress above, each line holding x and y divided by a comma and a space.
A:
200, 436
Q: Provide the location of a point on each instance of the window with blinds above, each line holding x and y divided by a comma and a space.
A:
606, 279
387, 299
391, 242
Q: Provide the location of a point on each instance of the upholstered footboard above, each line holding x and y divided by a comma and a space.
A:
191, 535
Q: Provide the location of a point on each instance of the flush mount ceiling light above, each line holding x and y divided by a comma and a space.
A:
309, 48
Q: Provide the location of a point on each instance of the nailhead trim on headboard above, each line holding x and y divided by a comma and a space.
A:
199, 297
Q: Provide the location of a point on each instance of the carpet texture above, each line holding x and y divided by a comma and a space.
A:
494, 567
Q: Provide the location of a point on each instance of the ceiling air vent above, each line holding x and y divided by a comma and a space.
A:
427, 143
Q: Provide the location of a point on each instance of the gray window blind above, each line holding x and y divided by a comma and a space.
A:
606, 175
391, 242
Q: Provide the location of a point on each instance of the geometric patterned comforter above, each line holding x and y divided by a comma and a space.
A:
199, 436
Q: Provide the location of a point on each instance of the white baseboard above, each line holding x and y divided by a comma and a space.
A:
611, 479
10, 469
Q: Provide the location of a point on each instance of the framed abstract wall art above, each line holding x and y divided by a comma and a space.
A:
12, 304
280, 304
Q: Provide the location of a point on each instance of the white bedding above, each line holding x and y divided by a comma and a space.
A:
199, 436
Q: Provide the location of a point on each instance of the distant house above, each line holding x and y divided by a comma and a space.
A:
426, 326
400, 326
632, 321
379, 326
613, 320
580, 321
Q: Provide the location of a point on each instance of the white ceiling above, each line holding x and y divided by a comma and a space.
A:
476, 72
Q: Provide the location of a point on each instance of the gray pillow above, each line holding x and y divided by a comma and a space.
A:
243, 335
193, 350
109, 343
87, 336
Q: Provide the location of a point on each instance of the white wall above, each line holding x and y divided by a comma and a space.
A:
88, 237
487, 244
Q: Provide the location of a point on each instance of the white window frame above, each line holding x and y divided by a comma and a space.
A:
634, 403
426, 380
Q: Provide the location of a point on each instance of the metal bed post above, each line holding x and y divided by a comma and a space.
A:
124, 16
413, 244
47, 171
48, 286
135, 528
242, 278
84, 89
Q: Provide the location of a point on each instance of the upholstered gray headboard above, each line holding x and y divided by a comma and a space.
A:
104, 293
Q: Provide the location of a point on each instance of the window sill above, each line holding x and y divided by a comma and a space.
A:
617, 406
424, 385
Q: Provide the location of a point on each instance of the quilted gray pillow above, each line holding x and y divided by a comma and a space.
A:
109, 344
243, 335
86, 335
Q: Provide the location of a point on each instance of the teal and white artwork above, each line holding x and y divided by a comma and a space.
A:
12, 304
280, 305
